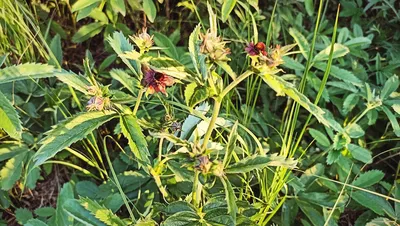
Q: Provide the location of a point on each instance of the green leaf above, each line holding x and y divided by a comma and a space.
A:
358, 41
368, 179
80, 4
170, 67
308, 176
26, 71
323, 199
230, 146
8, 151
390, 86
120, 46
180, 173
22, 215
56, 50
178, 206
309, 5
99, 15
77, 82
194, 50
107, 62
100, 212
375, 203
150, 10
320, 137
350, 102
283, 87
68, 132
182, 218
45, 211
339, 50
259, 162
313, 215
195, 94
360, 153
87, 31
35, 222
393, 120
118, 6
126, 80
11, 171
85, 12
66, 193
86, 189
381, 221
167, 46
10, 121
354, 130
227, 8
80, 214
225, 66
341, 74
230, 198
301, 41
292, 64
137, 142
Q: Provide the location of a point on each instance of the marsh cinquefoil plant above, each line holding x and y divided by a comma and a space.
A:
174, 160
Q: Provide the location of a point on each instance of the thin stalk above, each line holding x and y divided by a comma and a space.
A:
195, 190
116, 179
85, 171
217, 106
138, 100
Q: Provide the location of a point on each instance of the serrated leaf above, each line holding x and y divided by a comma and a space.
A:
80, 214
137, 142
150, 10
195, 94
80, 4
323, 199
360, 153
309, 175
368, 179
258, 162
127, 81
227, 8
225, 66
320, 137
45, 211
283, 87
8, 151
120, 46
26, 71
166, 44
86, 189
11, 171
230, 198
87, 31
178, 206
170, 67
292, 64
354, 130
301, 41
350, 102
180, 173
194, 50
35, 222
100, 212
181, 218
68, 132
375, 203
77, 82
341, 74
339, 50
10, 121
22, 215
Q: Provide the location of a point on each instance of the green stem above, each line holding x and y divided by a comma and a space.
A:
195, 189
139, 98
217, 106
234, 84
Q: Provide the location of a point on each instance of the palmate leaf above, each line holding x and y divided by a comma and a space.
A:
26, 71
283, 87
68, 132
100, 212
9, 118
132, 131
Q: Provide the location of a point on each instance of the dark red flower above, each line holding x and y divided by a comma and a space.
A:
156, 81
256, 49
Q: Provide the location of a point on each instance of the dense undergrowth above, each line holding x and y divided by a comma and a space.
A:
165, 112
